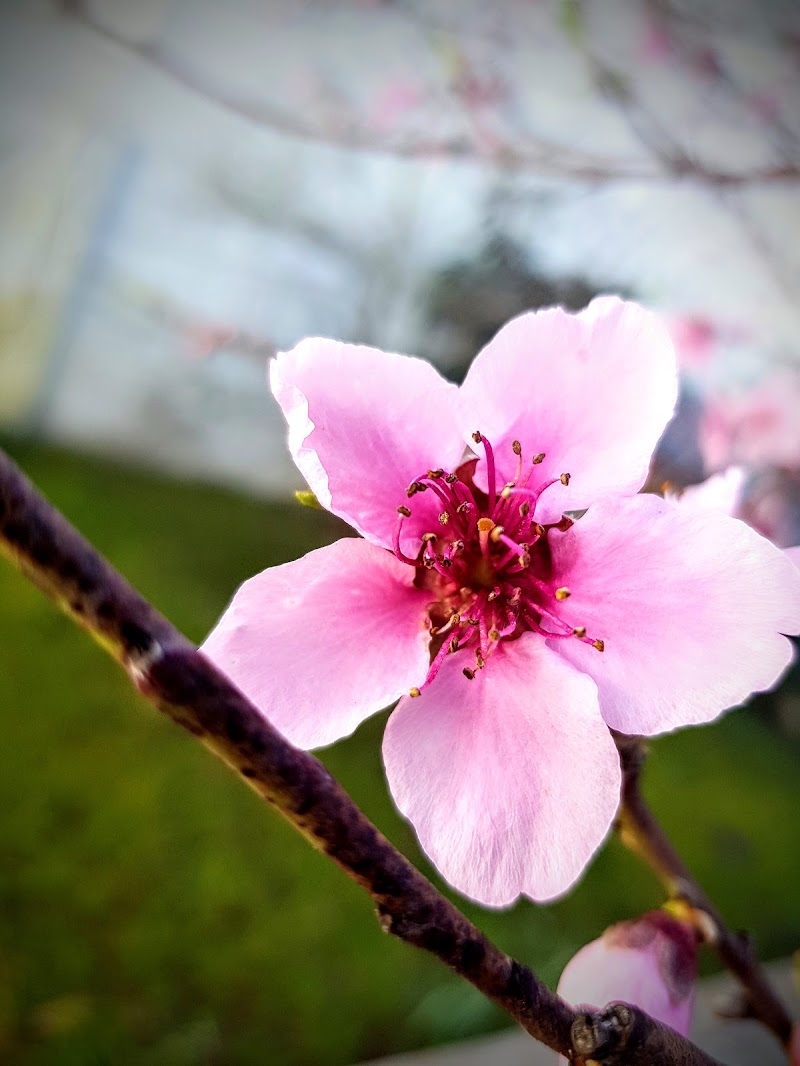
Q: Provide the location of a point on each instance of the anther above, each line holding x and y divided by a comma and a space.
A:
563, 524
451, 479
444, 517
538, 459
462, 507
404, 511
495, 534
564, 479
579, 631
414, 488
537, 529
428, 537
476, 436
599, 644
494, 635
563, 593
468, 674
436, 474
505, 492
414, 692
524, 510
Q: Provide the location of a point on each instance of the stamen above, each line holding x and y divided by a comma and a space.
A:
579, 631
402, 513
563, 524
444, 517
478, 437
563, 593
599, 644
537, 459
516, 448
564, 479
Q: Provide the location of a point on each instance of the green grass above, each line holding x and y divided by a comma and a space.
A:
153, 911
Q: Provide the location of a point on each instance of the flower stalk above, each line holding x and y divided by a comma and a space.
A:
641, 832
167, 669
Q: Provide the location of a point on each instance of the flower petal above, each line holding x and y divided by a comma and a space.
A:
363, 424
593, 391
690, 606
793, 554
511, 780
720, 492
322, 643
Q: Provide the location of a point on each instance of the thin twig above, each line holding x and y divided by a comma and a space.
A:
534, 155
641, 832
167, 669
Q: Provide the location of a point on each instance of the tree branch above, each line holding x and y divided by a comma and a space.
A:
167, 669
642, 833
518, 153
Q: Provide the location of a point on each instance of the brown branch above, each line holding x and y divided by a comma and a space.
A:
520, 153
642, 833
167, 669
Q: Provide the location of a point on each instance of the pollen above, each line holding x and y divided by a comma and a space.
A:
489, 571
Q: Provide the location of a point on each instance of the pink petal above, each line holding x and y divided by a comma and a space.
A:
721, 492
363, 424
651, 963
511, 780
322, 643
793, 554
593, 391
691, 607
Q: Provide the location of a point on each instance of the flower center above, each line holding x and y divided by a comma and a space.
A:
488, 565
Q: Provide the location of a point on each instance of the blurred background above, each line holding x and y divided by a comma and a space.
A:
188, 187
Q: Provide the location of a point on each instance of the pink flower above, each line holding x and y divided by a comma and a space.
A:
523, 635
650, 963
756, 428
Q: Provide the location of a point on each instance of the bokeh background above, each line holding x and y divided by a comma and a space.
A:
189, 186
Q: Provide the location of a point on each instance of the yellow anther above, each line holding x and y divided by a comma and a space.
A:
428, 537
524, 509
599, 644
516, 447
538, 459
494, 634
506, 490
564, 479
404, 511
451, 479
436, 474
579, 631
537, 530
563, 593
476, 436
414, 692
444, 517
496, 533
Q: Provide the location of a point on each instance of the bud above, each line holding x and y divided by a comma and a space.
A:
650, 963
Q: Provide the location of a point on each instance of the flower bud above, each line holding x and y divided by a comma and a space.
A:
650, 963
